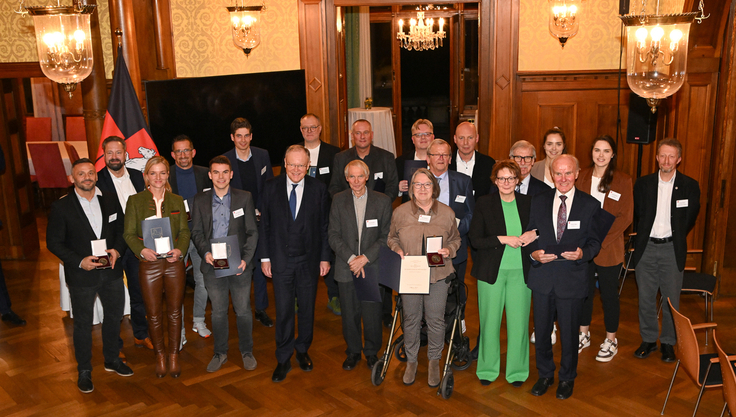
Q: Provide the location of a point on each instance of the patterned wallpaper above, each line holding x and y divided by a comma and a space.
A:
203, 44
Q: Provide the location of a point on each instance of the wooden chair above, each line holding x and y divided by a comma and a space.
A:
692, 361
729, 378
75, 130
38, 129
71, 151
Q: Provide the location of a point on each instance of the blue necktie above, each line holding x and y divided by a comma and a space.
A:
292, 201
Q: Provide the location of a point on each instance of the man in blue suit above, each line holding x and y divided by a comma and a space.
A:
251, 168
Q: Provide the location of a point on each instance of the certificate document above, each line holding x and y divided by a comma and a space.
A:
414, 275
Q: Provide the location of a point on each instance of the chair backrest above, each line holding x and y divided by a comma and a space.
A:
48, 164
728, 375
75, 130
71, 151
38, 129
687, 345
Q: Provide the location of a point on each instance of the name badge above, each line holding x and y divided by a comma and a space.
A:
263, 171
186, 206
206, 189
378, 176
424, 218
113, 217
324, 170
573, 224
681, 203
237, 213
460, 199
371, 223
614, 195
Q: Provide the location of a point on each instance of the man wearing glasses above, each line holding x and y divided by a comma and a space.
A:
524, 154
251, 168
422, 134
471, 162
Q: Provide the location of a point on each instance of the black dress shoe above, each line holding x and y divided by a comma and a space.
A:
517, 384
645, 349
84, 383
281, 370
388, 321
13, 318
668, 353
305, 362
350, 362
540, 387
263, 318
485, 382
564, 390
119, 368
371, 361
474, 354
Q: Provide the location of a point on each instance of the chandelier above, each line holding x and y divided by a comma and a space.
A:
63, 40
246, 27
564, 19
656, 52
421, 36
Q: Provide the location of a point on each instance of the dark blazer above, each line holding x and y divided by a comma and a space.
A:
343, 231
69, 234
273, 236
325, 158
409, 156
244, 226
201, 179
566, 279
380, 162
487, 225
481, 172
682, 219
105, 184
461, 185
261, 163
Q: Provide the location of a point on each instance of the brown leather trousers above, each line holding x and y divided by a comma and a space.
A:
161, 280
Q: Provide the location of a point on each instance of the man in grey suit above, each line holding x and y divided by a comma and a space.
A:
220, 212
360, 220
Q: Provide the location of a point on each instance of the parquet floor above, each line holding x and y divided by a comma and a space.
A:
38, 372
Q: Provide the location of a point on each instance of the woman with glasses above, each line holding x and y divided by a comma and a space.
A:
554, 145
496, 231
613, 189
161, 276
412, 222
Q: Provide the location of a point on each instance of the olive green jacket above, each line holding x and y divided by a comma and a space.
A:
141, 206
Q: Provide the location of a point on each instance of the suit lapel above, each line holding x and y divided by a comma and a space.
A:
235, 204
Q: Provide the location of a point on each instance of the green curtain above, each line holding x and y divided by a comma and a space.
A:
352, 56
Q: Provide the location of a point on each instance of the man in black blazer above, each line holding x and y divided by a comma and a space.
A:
294, 252
422, 134
560, 283
8, 315
666, 205
525, 155
251, 169
76, 221
186, 180
222, 212
360, 220
117, 180
470, 162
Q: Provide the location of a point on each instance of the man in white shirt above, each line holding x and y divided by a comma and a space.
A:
470, 162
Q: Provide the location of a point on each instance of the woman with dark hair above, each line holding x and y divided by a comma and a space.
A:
496, 232
412, 222
613, 189
554, 144
160, 277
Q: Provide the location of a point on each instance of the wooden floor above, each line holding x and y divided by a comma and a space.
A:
38, 372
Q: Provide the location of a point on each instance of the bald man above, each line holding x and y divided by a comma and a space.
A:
470, 162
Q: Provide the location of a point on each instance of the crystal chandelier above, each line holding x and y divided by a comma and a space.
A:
63, 40
246, 26
421, 36
564, 19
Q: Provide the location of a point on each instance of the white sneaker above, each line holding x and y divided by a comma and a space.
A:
532, 339
183, 339
554, 334
609, 349
583, 341
201, 328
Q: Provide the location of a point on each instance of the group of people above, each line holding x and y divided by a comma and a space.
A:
540, 233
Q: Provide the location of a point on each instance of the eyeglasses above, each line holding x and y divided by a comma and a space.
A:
522, 158
297, 166
181, 151
309, 128
440, 155
419, 185
422, 135
506, 180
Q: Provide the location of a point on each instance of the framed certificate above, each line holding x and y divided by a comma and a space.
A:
414, 277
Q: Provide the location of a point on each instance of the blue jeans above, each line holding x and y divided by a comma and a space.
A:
219, 291
200, 292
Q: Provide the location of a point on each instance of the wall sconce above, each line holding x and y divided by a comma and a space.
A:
246, 26
564, 19
63, 39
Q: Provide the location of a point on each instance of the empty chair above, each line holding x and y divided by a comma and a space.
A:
38, 129
71, 151
75, 130
49, 166
729, 378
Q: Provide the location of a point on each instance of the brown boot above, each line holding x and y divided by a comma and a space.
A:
410, 373
174, 365
434, 373
160, 365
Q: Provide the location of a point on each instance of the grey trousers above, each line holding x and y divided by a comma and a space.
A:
354, 312
432, 307
657, 270
200, 291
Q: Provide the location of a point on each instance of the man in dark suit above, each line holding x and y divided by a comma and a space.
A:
78, 221
218, 213
8, 315
251, 168
470, 162
422, 134
666, 205
294, 252
186, 180
360, 220
117, 180
456, 191
561, 285
525, 155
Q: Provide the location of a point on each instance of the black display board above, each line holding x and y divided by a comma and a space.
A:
203, 108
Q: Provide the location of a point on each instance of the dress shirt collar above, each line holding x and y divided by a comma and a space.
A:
97, 193
661, 181
415, 208
250, 154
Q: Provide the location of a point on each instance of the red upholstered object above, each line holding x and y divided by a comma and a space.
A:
71, 151
38, 129
75, 129
48, 164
